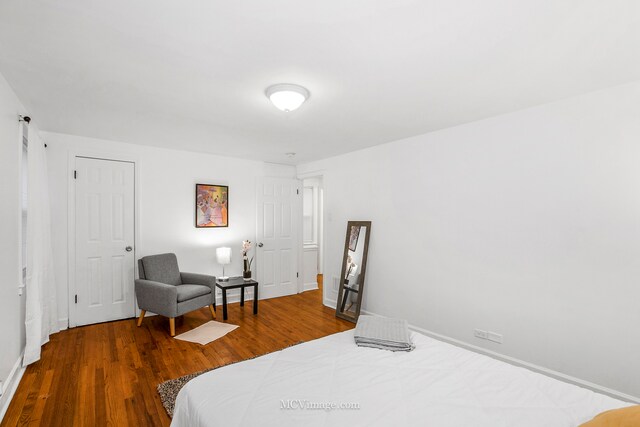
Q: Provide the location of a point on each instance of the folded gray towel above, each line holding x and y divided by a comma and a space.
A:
383, 332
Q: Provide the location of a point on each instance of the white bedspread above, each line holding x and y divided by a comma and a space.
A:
437, 385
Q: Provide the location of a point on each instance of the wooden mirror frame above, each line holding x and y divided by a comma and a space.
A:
363, 269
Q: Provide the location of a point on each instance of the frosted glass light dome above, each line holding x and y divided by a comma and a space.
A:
287, 97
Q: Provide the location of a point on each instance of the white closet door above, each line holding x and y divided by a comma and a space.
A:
104, 259
278, 216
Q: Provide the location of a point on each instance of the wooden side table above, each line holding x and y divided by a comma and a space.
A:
237, 283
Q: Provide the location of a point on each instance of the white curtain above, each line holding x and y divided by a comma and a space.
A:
41, 306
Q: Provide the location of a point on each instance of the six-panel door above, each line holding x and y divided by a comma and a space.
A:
104, 255
278, 206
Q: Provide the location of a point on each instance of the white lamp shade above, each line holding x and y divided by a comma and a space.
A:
223, 255
287, 97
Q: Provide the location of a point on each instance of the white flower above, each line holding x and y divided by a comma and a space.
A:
246, 247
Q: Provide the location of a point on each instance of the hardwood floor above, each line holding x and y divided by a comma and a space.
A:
106, 374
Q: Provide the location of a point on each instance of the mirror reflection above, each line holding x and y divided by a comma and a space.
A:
354, 263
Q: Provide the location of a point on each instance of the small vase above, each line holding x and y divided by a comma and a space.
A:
246, 275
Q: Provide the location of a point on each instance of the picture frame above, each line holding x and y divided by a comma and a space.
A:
353, 238
211, 206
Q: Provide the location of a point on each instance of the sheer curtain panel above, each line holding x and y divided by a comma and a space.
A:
41, 307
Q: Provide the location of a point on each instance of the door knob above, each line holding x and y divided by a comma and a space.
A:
128, 249
260, 245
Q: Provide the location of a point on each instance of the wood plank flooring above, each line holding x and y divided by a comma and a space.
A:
106, 374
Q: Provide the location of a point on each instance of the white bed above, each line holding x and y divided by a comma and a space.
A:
437, 384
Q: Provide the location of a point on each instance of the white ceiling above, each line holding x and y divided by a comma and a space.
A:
191, 74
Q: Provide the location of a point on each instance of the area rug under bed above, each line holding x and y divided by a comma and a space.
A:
169, 390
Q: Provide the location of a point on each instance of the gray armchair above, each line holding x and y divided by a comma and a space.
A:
164, 290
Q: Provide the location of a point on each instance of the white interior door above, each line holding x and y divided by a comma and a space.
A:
278, 217
104, 239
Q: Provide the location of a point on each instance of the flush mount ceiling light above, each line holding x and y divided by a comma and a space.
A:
287, 97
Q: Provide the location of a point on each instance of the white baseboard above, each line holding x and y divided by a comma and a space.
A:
10, 386
233, 297
230, 300
63, 324
329, 303
309, 286
523, 364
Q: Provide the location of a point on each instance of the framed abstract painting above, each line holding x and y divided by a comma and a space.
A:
212, 206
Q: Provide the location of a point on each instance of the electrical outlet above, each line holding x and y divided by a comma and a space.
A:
480, 334
492, 336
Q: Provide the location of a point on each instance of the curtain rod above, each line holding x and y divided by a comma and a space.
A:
27, 120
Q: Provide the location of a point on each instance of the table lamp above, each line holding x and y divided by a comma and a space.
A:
223, 255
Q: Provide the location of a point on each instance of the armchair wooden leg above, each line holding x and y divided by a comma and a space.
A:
142, 313
172, 326
213, 311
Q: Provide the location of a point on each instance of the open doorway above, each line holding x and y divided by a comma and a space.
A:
312, 233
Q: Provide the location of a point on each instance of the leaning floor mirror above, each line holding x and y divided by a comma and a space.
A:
354, 267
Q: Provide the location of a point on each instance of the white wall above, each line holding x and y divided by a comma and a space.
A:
12, 335
526, 224
167, 181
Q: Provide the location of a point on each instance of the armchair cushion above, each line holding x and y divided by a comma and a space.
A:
187, 292
162, 268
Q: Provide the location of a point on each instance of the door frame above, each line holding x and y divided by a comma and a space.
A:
71, 220
302, 176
